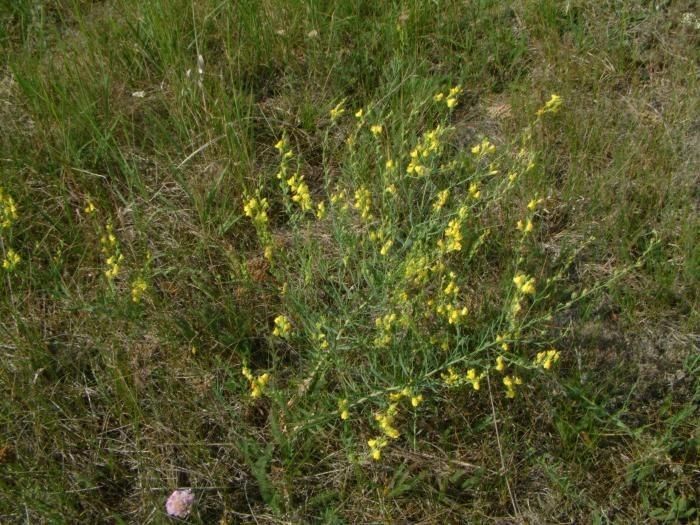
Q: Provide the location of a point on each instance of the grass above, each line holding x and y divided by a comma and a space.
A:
182, 316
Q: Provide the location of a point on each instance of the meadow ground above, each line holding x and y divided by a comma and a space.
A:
350, 262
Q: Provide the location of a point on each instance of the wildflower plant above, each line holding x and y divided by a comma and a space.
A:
428, 248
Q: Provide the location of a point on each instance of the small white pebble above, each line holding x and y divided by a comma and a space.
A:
180, 503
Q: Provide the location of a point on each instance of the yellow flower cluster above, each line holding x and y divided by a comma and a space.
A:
257, 383
385, 325
427, 146
283, 328
363, 203
376, 130
451, 378
110, 249
375, 446
450, 97
138, 289
300, 192
441, 200
448, 308
8, 210
524, 283
11, 260
483, 148
256, 209
385, 420
474, 378
452, 241
510, 383
89, 207
551, 106
340, 198
382, 237
547, 359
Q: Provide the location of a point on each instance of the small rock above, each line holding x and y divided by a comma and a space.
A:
180, 503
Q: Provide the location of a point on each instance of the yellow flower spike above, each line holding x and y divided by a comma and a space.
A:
268, 253
500, 364
363, 202
441, 200
11, 260
138, 289
8, 210
451, 378
376, 130
474, 192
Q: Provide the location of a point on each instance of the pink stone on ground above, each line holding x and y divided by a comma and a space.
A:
180, 503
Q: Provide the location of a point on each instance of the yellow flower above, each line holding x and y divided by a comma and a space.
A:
343, 409
524, 284
376, 130
320, 210
500, 363
8, 210
138, 289
451, 378
11, 260
475, 379
438, 97
547, 359
532, 205
524, 226
416, 400
363, 202
441, 200
501, 340
376, 445
510, 382
89, 208
283, 327
551, 106
452, 241
337, 111
257, 384
359, 113
389, 164
483, 148
256, 209
474, 192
